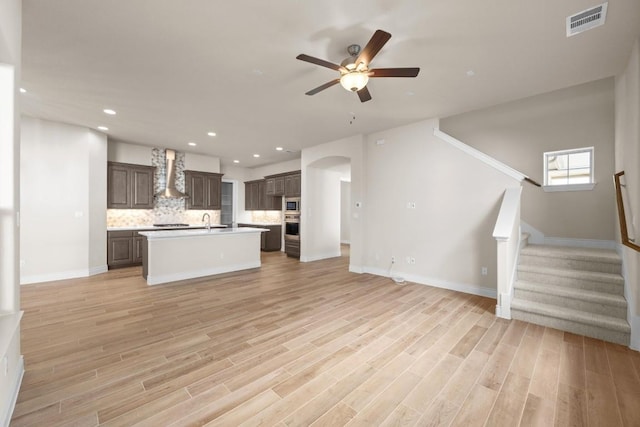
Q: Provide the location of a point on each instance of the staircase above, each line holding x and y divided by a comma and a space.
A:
577, 290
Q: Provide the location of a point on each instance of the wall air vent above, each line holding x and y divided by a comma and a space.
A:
586, 20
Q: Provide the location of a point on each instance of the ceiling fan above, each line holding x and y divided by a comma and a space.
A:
355, 71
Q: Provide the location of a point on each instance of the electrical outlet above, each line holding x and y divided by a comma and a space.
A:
484, 271
393, 260
413, 205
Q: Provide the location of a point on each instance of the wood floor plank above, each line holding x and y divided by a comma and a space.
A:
304, 344
385, 403
432, 384
601, 410
510, 402
538, 412
339, 415
476, 407
571, 406
440, 413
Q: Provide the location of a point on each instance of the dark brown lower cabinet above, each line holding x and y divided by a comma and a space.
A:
270, 240
125, 248
120, 248
292, 248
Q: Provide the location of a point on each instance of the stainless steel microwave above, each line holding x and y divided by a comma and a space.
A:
292, 204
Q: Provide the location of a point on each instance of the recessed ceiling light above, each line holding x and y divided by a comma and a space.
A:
109, 111
211, 133
23, 90
279, 148
103, 128
256, 155
236, 161
471, 73
193, 144
409, 93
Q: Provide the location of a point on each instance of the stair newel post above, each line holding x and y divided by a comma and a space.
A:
507, 235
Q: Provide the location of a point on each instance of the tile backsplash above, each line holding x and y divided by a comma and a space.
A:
138, 217
266, 217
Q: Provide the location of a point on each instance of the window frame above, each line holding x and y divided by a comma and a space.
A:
569, 187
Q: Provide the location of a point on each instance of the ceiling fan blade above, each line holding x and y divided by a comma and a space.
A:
364, 94
379, 39
321, 62
394, 72
323, 87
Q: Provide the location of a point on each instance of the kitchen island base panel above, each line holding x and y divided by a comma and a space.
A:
176, 277
205, 254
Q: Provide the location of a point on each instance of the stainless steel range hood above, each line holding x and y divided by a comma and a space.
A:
170, 190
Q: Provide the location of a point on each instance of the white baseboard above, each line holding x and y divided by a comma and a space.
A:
536, 237
438, 283
175, 277
634, 322
13, 398
98, 270
320, 256
503, 308
63, 275
355, 269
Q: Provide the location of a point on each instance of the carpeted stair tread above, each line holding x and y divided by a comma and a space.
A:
574, 293
578, 254
594, 276
591, 319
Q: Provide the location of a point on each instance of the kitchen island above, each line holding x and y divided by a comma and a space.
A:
173, 255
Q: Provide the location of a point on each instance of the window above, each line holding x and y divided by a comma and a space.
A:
569, 170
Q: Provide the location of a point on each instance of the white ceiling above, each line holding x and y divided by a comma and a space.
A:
174, 70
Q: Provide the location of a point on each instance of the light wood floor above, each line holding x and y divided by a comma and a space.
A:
300, 344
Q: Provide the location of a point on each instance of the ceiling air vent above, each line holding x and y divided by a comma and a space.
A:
587, 19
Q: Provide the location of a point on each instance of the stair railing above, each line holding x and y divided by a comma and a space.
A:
507, 235
624, 233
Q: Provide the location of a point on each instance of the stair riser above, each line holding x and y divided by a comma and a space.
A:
574, 327
571, 264
576, 304
570, 282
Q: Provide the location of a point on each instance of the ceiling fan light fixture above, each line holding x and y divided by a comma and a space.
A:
354, 80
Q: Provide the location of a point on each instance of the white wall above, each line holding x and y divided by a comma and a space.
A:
63, 199
273, 169
124, 152
201, 163
320, 221
345, 211
351, 149
627, 145
456, 197
10, 60
519, 132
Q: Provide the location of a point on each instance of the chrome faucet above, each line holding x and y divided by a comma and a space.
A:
208, 220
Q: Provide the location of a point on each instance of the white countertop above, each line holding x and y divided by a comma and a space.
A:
151, 227
172, 234
262, 224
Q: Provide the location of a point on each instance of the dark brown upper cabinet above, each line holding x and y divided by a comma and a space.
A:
203, 189
292, 185
275, 186
256, 198
129, 186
